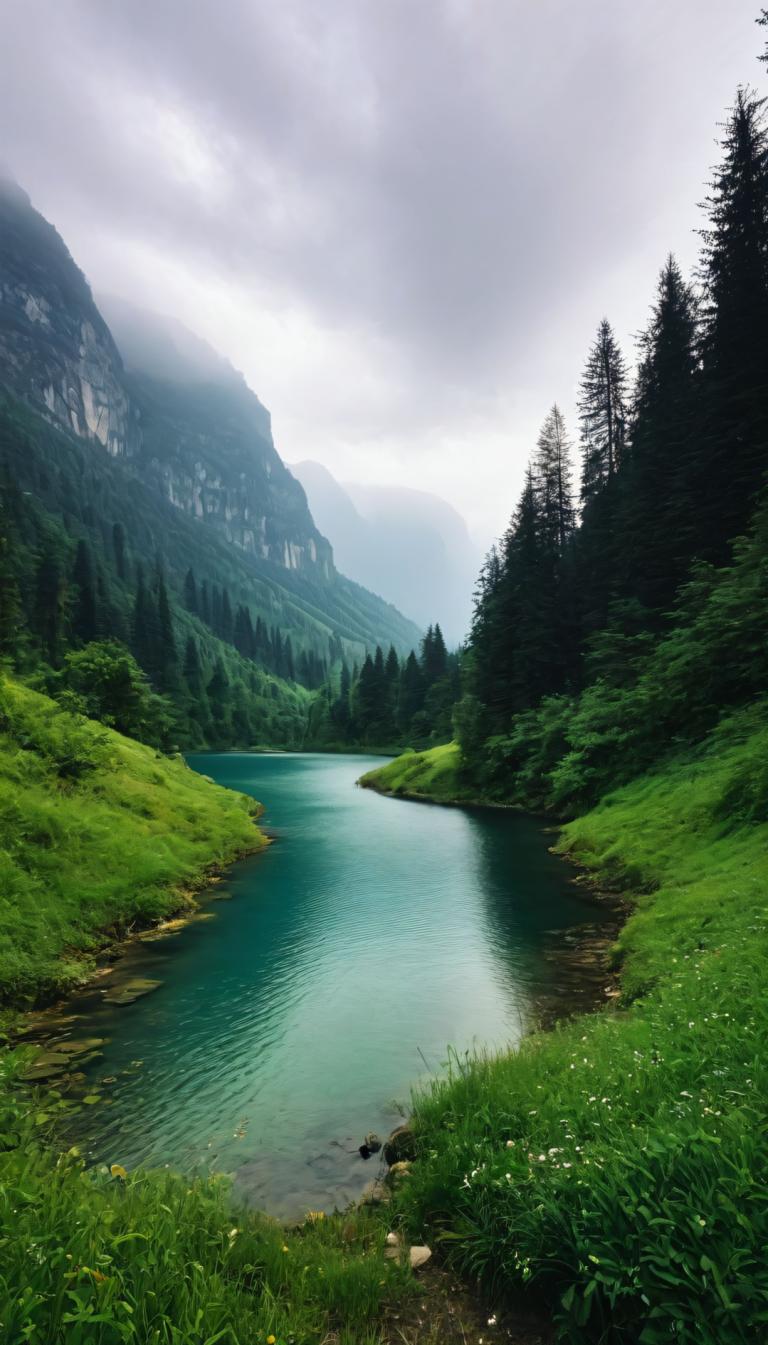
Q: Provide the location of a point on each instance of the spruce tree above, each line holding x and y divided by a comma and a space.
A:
733, 428
84, 608
50, 605
553, 482
657, 506
118, 547
190, 591
602, 410
10, 595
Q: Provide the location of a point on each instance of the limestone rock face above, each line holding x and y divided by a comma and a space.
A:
56, 351
183, 421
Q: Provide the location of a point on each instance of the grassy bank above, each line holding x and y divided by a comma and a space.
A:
96, 833
432, 774
618, 1165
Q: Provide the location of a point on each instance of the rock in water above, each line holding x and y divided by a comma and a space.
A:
401, 1146
372, 1142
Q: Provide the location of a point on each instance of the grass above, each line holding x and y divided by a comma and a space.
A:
112, 1258
432, 774
97, 832
618, 1166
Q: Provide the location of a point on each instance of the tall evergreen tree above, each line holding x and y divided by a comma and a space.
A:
50, 605
118, 547
657, 505
84, 608
190, 591
733, 430
602, 410
553, 480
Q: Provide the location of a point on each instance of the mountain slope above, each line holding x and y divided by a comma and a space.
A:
178, 458
408, 545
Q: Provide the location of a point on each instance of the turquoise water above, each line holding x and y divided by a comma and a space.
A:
369, 937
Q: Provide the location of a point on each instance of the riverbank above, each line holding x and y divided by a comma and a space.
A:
615, 1166
100, 836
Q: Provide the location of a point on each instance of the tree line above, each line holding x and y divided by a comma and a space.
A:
593, 576
389, 701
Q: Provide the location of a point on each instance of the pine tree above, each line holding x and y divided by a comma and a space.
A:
190, 592
145, 629
167, 653
657, 505
602, 411
553, 482
84, 610
10, 595
733, 429
50, 605
118, 547
411, 698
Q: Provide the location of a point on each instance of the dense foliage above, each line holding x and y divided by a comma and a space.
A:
90, 553
597, 644
389, 701
617, 1166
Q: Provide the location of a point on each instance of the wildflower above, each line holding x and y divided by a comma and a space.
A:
510, 1144
232, 1234
271, 1340
285, 1249
117, 1170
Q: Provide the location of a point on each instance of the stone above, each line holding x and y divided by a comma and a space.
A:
418, 1257
80, 1046
126, 992
375, 1193
400, 1146
399, 1171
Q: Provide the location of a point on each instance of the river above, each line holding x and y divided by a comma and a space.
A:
370, 937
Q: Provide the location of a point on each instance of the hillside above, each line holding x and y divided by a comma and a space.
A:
99, 833
165, 477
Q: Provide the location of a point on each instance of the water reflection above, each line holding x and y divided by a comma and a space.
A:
369, 937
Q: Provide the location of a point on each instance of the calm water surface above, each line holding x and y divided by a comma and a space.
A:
372, 934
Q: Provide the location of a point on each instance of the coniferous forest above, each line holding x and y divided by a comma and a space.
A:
493, 1072
623, 612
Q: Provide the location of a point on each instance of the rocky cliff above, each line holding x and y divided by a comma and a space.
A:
179, 416
56, 351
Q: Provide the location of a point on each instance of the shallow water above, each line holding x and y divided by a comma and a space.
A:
371, 936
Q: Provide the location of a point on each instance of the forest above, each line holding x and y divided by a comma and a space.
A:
623, 613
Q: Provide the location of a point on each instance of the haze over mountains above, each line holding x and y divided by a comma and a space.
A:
139, 417
409, 546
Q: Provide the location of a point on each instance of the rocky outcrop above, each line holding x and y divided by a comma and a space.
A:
181, 417
56, 351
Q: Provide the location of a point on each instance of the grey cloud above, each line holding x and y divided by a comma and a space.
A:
458, 178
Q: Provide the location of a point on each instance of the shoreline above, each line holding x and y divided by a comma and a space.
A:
583, 951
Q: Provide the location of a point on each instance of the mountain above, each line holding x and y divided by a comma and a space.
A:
408, 545
127, 426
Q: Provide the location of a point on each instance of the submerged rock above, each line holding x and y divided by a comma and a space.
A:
126, 992
401, 1146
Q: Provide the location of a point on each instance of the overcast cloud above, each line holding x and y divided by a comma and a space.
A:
402, 219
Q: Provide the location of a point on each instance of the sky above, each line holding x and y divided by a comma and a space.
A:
401, 219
